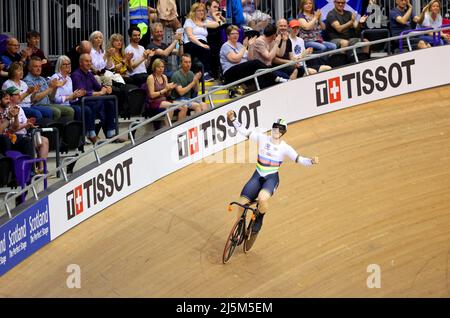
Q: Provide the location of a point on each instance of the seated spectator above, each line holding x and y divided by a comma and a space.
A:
65, 95
235, 62
120, 59
343, 27
100, 61
284, 52
195, 37
168, 15
137, 68
46, 90
217, 23
401, 19
187, 84
21, 131
311, 26
105, 110
299, 51
32, 49
431, 18
12, 54
75, 53
15, 75
266, 47
9, 120
158, 90
163, 50
255, 19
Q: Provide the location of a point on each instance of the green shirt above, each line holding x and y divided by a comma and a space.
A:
183, 80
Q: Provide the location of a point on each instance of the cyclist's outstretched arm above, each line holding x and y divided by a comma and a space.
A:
242, 130
294, 156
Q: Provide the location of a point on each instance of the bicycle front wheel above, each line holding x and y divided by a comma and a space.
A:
234, 238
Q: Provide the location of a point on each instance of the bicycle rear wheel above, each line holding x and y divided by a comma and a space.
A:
234, 239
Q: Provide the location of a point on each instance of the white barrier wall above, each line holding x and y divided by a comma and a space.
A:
111, 181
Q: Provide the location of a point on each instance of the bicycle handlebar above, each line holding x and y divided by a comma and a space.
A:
245, 206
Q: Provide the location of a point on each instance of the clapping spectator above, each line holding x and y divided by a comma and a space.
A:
21, 131
46, 90
15, 75
343, 26
137, 67
255, 19
158, 90
100, 61
164, 50
187, 84
311, 26
235, 62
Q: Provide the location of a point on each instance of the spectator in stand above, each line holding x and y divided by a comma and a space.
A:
15, 79
120, 59
255, 19
32, 49
163, 50
431, 18
158, 90
187, 85
100, 61
168, 15
65, 95
195, 37
46, 90
284, 51
401, 19
214, 18
137, 68
9, 120
235, 62
75, 53
24, 124
343, 27
266, 47
12, 54
104, 109
298, 51
311, 26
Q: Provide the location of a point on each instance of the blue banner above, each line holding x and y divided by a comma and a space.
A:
327, 5
23, 235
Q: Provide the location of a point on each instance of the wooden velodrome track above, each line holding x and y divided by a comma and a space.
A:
381, 195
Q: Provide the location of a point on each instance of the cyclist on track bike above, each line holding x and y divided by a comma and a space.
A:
271, 152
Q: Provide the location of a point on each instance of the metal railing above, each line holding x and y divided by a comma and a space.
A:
68, 161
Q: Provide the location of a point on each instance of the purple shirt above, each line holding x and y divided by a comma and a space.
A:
87, 81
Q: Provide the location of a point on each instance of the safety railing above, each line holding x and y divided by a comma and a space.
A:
68, 161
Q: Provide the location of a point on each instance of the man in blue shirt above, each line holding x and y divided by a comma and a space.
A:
401, 19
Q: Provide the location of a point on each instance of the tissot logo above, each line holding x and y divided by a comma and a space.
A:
366, 82
95, 190
215, 130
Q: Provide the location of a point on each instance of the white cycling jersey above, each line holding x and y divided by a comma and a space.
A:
270, 155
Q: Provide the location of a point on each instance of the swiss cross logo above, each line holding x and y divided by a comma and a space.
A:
193, 141
74, 201
188, 143
334, 89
